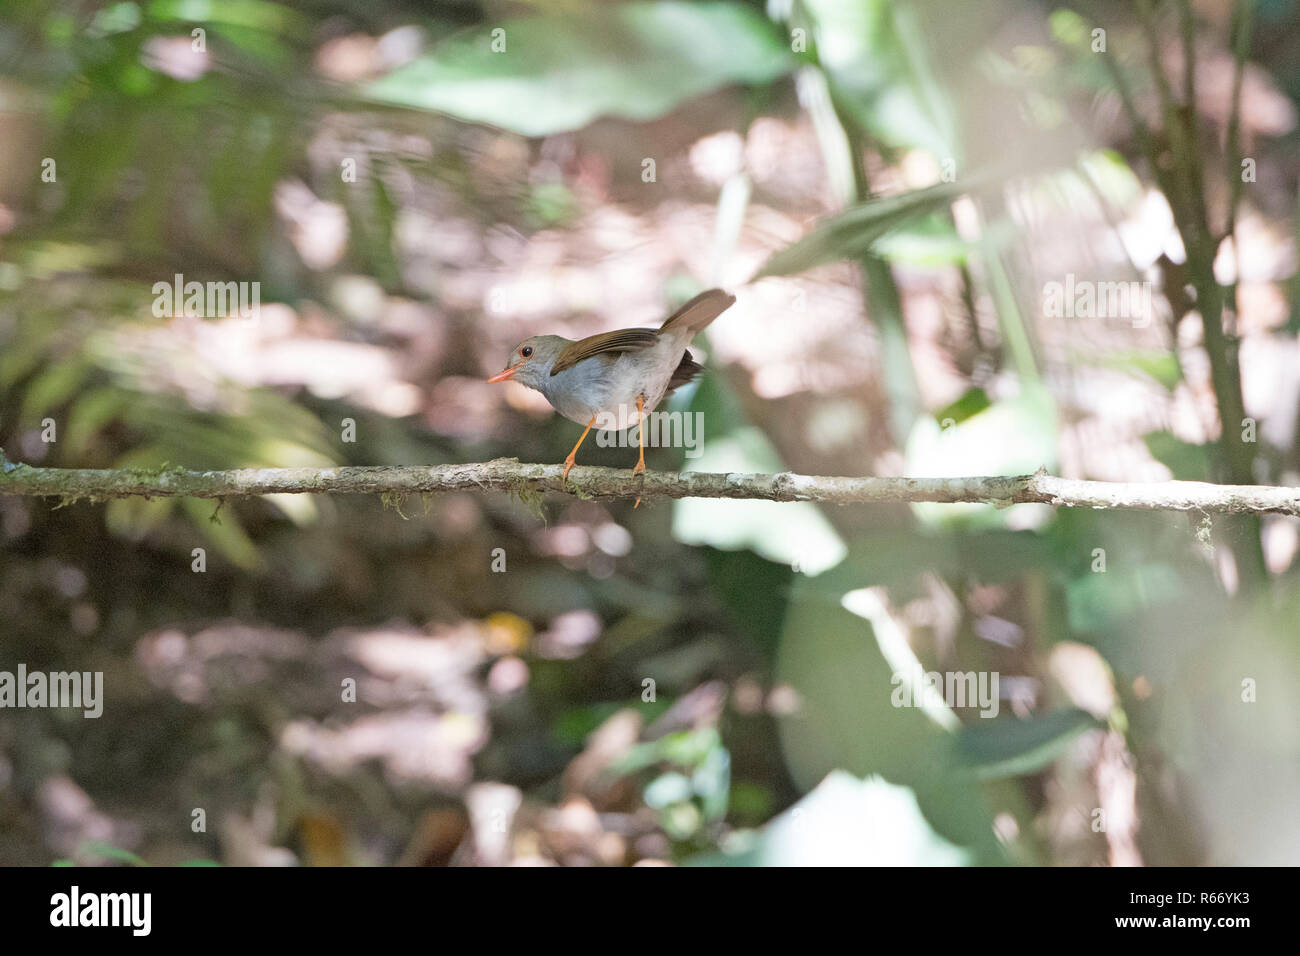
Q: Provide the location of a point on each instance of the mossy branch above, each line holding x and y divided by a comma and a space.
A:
508, 474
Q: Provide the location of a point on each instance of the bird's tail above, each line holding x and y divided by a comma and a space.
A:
695, 315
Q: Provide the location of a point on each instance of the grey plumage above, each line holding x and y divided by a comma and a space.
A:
601, 376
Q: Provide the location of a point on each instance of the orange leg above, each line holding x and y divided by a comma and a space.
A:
568, 462
640, 432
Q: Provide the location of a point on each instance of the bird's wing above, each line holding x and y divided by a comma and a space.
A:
616, 342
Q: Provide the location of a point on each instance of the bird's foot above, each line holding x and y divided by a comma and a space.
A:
568, 466
638, 470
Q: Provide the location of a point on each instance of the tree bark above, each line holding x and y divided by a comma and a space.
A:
508, 474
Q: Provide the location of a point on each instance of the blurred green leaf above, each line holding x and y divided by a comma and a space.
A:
53, 387
551, 204
680, 821
93, 411
559, 72
260, 15
667, 789
1104, 601
117, 18
110, 852
933, 243
689, 748
133, 518
1161, 366
1011, 747
712, 782
226, 535
372, 213
572, 725
854, 232
900, 559
755, 591
972, 402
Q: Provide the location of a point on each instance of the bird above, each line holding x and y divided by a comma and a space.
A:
596, 381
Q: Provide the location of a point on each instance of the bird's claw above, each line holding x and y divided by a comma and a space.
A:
638, 470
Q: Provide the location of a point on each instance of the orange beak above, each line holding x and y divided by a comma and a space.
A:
502, 376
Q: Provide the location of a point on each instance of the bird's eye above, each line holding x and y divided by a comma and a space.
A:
526, 351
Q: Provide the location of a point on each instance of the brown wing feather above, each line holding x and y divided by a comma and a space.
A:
618, 341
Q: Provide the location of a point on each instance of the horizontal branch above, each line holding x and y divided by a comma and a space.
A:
508, 474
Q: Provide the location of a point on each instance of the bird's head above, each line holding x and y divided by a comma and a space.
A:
531, 360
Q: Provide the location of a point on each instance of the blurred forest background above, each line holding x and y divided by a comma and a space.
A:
417, 187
